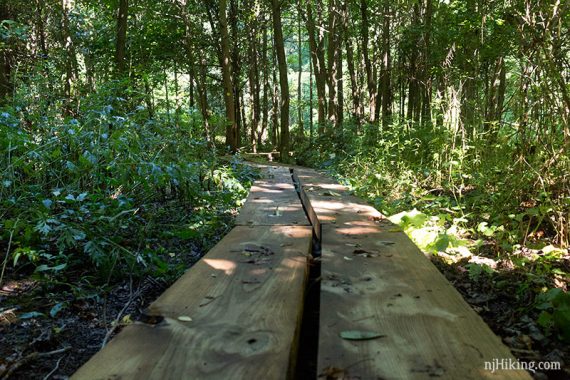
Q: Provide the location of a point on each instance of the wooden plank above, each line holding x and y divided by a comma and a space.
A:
273, 201
244, 299
379, 281
375, 279
330, 202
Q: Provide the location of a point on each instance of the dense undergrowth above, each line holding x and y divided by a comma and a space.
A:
496, 211
108, 193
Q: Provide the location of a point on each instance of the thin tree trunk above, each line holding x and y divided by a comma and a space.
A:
41, 29
425, 79
356, 111
228, 87
176, 97
203, 97
254, 86
501, 91
275, 102
311, 126
266, 88
6, 60
188, 44
167, 95
371, 83
332, 62
283, 80
71, 61
299, 79
121, 45
413, 87
316, 45
148, 97
385, 79
235, 62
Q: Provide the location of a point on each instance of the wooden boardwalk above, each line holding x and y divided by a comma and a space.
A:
237, 313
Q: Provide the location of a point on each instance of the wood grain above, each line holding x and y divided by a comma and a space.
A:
331, 202
244, 299
373, 278
273, 201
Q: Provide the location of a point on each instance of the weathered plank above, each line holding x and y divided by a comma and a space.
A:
373, 278
267, 155
331, 202
379, 281
244, 299
273, 201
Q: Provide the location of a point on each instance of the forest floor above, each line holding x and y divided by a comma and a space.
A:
509, 315
39, 340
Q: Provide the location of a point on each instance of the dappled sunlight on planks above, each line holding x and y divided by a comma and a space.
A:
226, 266
374, 279
236, 313
236, 308
273, 202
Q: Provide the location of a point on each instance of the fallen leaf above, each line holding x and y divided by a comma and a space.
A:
333, 373
360, 335
277, 212
365, 253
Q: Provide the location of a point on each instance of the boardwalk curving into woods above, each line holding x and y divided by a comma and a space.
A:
384, 311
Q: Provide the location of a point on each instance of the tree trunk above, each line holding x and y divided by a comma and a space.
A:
121, 44
342, 30
414, 86
356, 110
316, 45
385, 78
71, 60
188, 45
425, 79
501, 92
236, 68
275, 101
203, 97
332, 61
254, 87
231, 125
371, 83
41, 32
266, 88
311, 126
283, 80
300, 78
6, 60
148, 97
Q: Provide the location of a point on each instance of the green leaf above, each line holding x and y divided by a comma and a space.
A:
545, 320
45, 268
331, 194
32, 314
56, 309
360, 335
